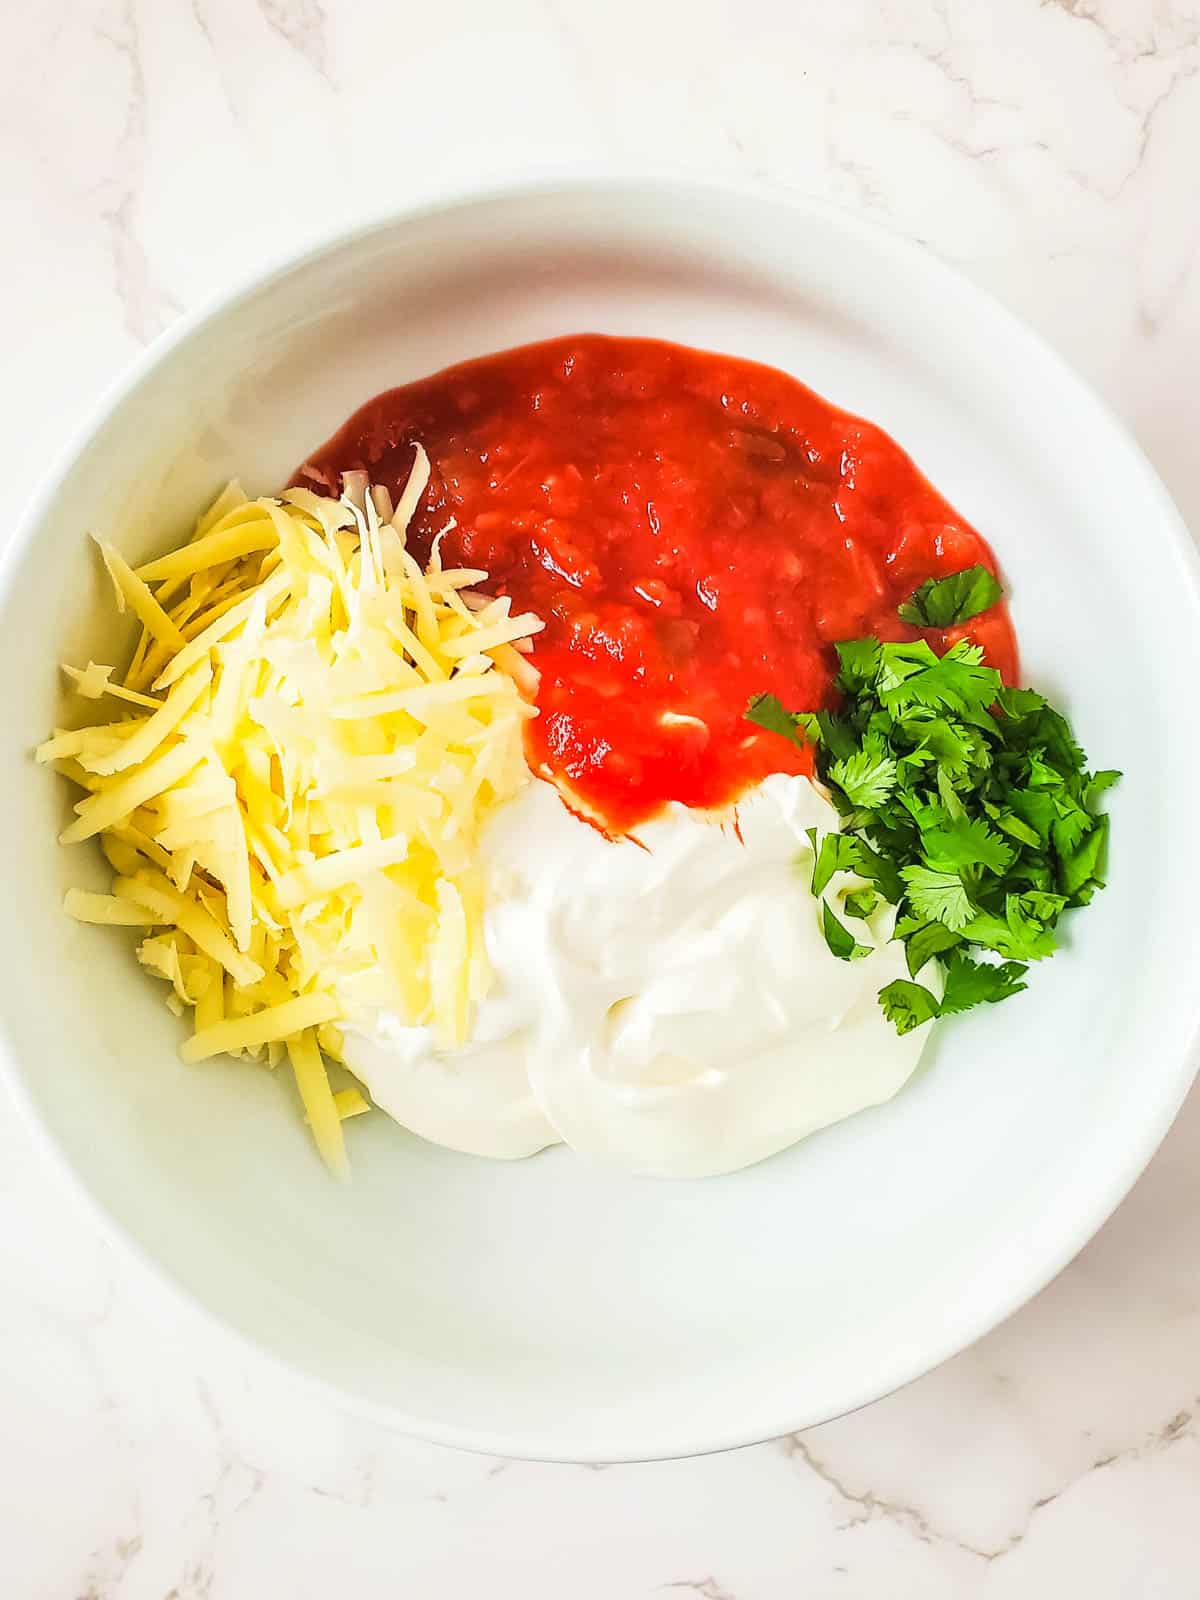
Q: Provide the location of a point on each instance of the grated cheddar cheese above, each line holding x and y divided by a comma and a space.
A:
308, 737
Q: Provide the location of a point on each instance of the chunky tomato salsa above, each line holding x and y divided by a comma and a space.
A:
693, 528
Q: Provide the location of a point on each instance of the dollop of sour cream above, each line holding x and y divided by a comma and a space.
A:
668, 1004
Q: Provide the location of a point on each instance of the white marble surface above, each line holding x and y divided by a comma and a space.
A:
150, 149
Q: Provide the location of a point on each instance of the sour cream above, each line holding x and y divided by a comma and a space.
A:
667, 1004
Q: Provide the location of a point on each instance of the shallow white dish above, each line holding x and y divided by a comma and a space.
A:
549, 1308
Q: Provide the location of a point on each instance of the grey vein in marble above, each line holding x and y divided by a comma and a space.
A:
867, 1505
302, 24
146, 306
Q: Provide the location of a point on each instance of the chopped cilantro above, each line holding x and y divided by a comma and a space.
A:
766, 711
868, 776
1084, 865
1041, 774
1100, 782
953, 682
861, 903
938, 896
837, 852
907, 1005
970, 983
1071, 825
964, 803
882, 871
1018, 932
926, 940
859, 659
966, 842
943, 602
1038, 810
839, 938
1013, 826
1019, 703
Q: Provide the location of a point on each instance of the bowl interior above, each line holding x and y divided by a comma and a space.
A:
549, 1307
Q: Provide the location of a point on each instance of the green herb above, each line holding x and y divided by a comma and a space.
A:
839, 938
966, 804
924, 940
970, 983
967, 842
767, 711
943, 602
938, 896
861, 903
907, 1005
836, 852
868, 776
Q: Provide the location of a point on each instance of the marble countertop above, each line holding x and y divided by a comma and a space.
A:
152, 149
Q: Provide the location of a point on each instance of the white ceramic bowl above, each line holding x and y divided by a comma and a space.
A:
549, 1308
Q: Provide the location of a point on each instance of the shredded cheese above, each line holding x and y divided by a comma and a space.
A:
94, 682
107, 909
132, 592
320, 1104
351, 1102
305, 744
279, 1022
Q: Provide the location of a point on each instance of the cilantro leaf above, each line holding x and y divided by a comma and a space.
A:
1020, 703
1043, 905
907, 1005
955, 809
1041, 774
1014, 827
1100, 781
861, 903
969, 983
1017, 933
867, 777
926, 940
883, 872
1070, 825
955, 681
926, 813
967, 842
943, 602
814, 727
899, 662
938, 896
859, 660
834, 735
1045, 733
1084, 867
954, 746
766, 711
838, 852
839, 938
1035, 808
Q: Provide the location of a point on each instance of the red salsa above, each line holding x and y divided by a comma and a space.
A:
693, 529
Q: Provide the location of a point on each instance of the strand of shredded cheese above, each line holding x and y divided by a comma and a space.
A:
307, 740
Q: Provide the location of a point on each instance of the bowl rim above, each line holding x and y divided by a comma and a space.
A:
514, 188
